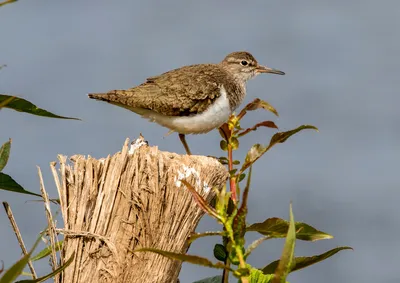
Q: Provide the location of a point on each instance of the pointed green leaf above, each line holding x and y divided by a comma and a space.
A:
220, 252
277, 228
193, 259
268, 124
14, 271
22, 105
257, 104
7, 183
283, 136
286, 260
239, 222
256, 276
241, 177
258, 150
196, 236
4, 154
52, 274
47, 251
304, 261
214, 279
201, 202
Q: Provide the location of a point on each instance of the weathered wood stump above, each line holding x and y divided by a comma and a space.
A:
130, 200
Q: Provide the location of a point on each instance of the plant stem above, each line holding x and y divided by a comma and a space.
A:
225, 273
232, 181
239, 252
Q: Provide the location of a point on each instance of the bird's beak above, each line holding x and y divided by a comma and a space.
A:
265, 69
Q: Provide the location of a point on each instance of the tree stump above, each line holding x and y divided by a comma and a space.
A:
131, 200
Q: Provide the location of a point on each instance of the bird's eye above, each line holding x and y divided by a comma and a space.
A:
243, 63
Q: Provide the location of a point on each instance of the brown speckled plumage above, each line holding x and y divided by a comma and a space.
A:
189, 90
180, 92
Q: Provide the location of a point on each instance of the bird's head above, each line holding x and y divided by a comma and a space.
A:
243, 66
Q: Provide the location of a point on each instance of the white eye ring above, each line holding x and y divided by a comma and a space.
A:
244, 63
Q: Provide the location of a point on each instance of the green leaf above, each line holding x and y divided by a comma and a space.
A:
201, 202
7, 183
257, 104
46, 251
234, 142
4, 154
268, 124
222, 201
241, 177
258, 150
22, 105
256, 276
50, 275
223, 160
286, 260
239, 222
304, 261
193, 259
214, 279
235, 162
223, 145
277, 228
14, 271
6, 101
196, 236
220, 252
232, 172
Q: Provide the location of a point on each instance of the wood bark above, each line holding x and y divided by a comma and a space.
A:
131, 200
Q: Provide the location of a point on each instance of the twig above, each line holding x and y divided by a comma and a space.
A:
51, 229
10, 215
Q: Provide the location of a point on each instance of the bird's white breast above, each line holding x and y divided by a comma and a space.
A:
215, 115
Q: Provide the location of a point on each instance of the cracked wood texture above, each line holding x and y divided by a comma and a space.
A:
127, 201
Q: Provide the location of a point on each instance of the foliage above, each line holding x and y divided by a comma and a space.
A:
9, 184
231, 213
17, 269
21, 105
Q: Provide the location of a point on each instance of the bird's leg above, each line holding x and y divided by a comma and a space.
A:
185, 145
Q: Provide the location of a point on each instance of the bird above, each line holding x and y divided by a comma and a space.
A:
192, 99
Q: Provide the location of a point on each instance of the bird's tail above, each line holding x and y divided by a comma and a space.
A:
99, 96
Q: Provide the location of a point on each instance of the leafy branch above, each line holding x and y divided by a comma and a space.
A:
231, 213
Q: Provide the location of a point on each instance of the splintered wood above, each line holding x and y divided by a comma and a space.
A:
131, 200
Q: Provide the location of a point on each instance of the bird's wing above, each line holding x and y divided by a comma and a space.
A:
180, 92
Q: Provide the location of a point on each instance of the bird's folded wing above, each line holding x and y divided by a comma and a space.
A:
181, 92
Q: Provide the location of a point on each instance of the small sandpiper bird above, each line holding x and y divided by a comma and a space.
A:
192, 99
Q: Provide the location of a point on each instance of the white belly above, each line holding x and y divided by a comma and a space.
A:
217, 114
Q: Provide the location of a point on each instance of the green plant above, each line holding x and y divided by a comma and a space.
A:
9, 184
231, 212
21, 105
